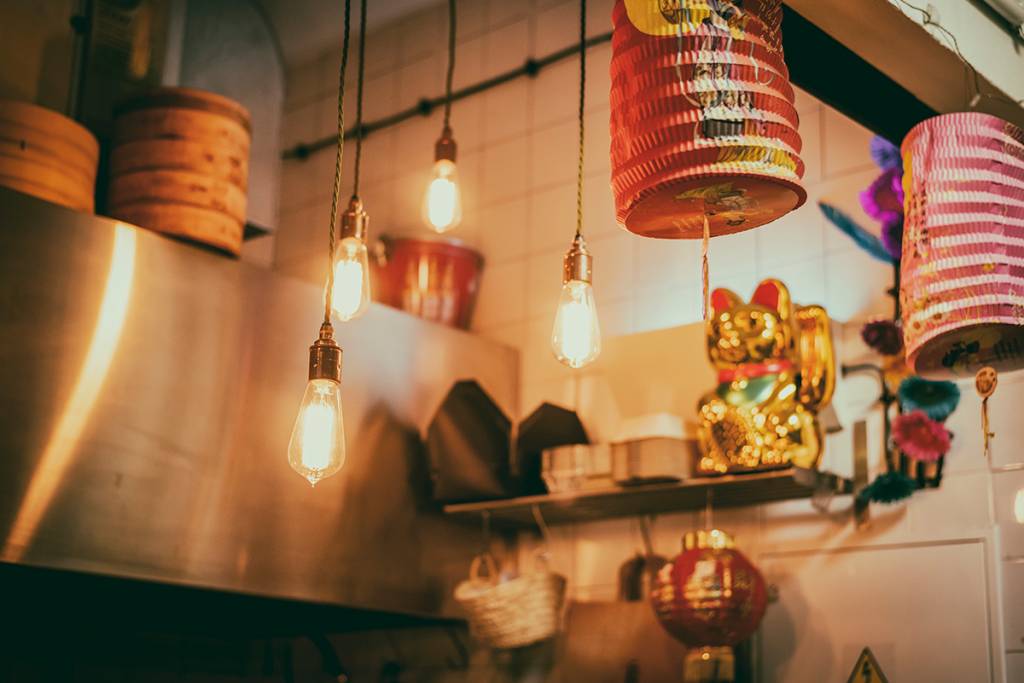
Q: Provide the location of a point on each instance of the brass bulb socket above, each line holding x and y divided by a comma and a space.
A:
707, 538
355, 222
325, 356
445, 147
578, 262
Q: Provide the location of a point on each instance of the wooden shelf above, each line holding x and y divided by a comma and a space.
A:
650, 499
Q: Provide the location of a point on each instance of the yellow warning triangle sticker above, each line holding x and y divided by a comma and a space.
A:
866, 670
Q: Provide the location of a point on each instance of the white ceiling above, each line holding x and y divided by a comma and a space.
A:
305, 28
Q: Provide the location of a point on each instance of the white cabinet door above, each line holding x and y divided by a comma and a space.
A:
922, 609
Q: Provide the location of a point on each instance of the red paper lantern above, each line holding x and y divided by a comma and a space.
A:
710, 595
702, 117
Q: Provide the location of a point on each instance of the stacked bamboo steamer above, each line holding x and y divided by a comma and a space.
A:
179, 165
47, 155
962, 271
703, 122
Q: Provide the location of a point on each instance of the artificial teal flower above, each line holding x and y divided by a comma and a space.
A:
937, 400
887, 488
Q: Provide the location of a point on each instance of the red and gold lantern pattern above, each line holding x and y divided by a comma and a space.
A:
710, 595
962, 279
702, 117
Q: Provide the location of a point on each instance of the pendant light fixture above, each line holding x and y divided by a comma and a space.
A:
576, 337
317, 446
351, 289
442, 202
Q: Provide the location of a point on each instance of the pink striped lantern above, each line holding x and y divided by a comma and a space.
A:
962, 272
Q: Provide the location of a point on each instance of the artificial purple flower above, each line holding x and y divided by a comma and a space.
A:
885, 154
883, 199
884, 336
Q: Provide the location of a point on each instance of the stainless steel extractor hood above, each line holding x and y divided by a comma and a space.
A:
147, 393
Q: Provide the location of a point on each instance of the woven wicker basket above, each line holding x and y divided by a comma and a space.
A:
511, 613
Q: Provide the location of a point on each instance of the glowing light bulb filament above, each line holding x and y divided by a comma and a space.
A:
351, 294
576, 331
317, 436
576, 338
442, 203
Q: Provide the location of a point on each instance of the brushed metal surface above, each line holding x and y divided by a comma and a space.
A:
147, 393
731, 490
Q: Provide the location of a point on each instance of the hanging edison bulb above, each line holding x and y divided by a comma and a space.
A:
317, 446
351, 294
576, 337
442, 202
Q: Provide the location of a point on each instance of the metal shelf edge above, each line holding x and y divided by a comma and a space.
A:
734, 490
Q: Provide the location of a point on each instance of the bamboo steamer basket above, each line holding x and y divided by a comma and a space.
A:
207, 226
179, 165
194, 189
47, 155
180, 155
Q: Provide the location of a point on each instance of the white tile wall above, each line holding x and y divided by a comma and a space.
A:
519, 188
517, 164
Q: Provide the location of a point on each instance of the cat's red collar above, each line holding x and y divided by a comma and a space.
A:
752, 370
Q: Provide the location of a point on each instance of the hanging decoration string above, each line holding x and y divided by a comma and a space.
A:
705, 276
451, 65
926, 17
709, 520
583, 91
985, 383
359, 97
542, 526
336, 190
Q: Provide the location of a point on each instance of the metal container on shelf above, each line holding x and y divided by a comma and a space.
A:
577, 467
435, 278
648, 461
652, 449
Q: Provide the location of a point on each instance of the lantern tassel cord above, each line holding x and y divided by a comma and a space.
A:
985, 384
705, 277
986, 429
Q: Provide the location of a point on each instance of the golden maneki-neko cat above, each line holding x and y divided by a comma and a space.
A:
776, 369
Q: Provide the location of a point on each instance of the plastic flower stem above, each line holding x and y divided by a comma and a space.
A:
896, 291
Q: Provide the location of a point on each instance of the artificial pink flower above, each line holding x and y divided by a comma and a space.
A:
919, 436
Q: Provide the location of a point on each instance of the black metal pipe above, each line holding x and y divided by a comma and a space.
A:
530, 68
81, 28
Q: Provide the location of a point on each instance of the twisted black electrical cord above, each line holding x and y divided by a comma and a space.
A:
337, 163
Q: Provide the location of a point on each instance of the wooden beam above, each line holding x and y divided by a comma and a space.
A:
902, 50
843, 80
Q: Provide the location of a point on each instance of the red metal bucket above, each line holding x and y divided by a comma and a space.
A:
435, 278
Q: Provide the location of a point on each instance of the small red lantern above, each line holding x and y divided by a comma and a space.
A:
710, 596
